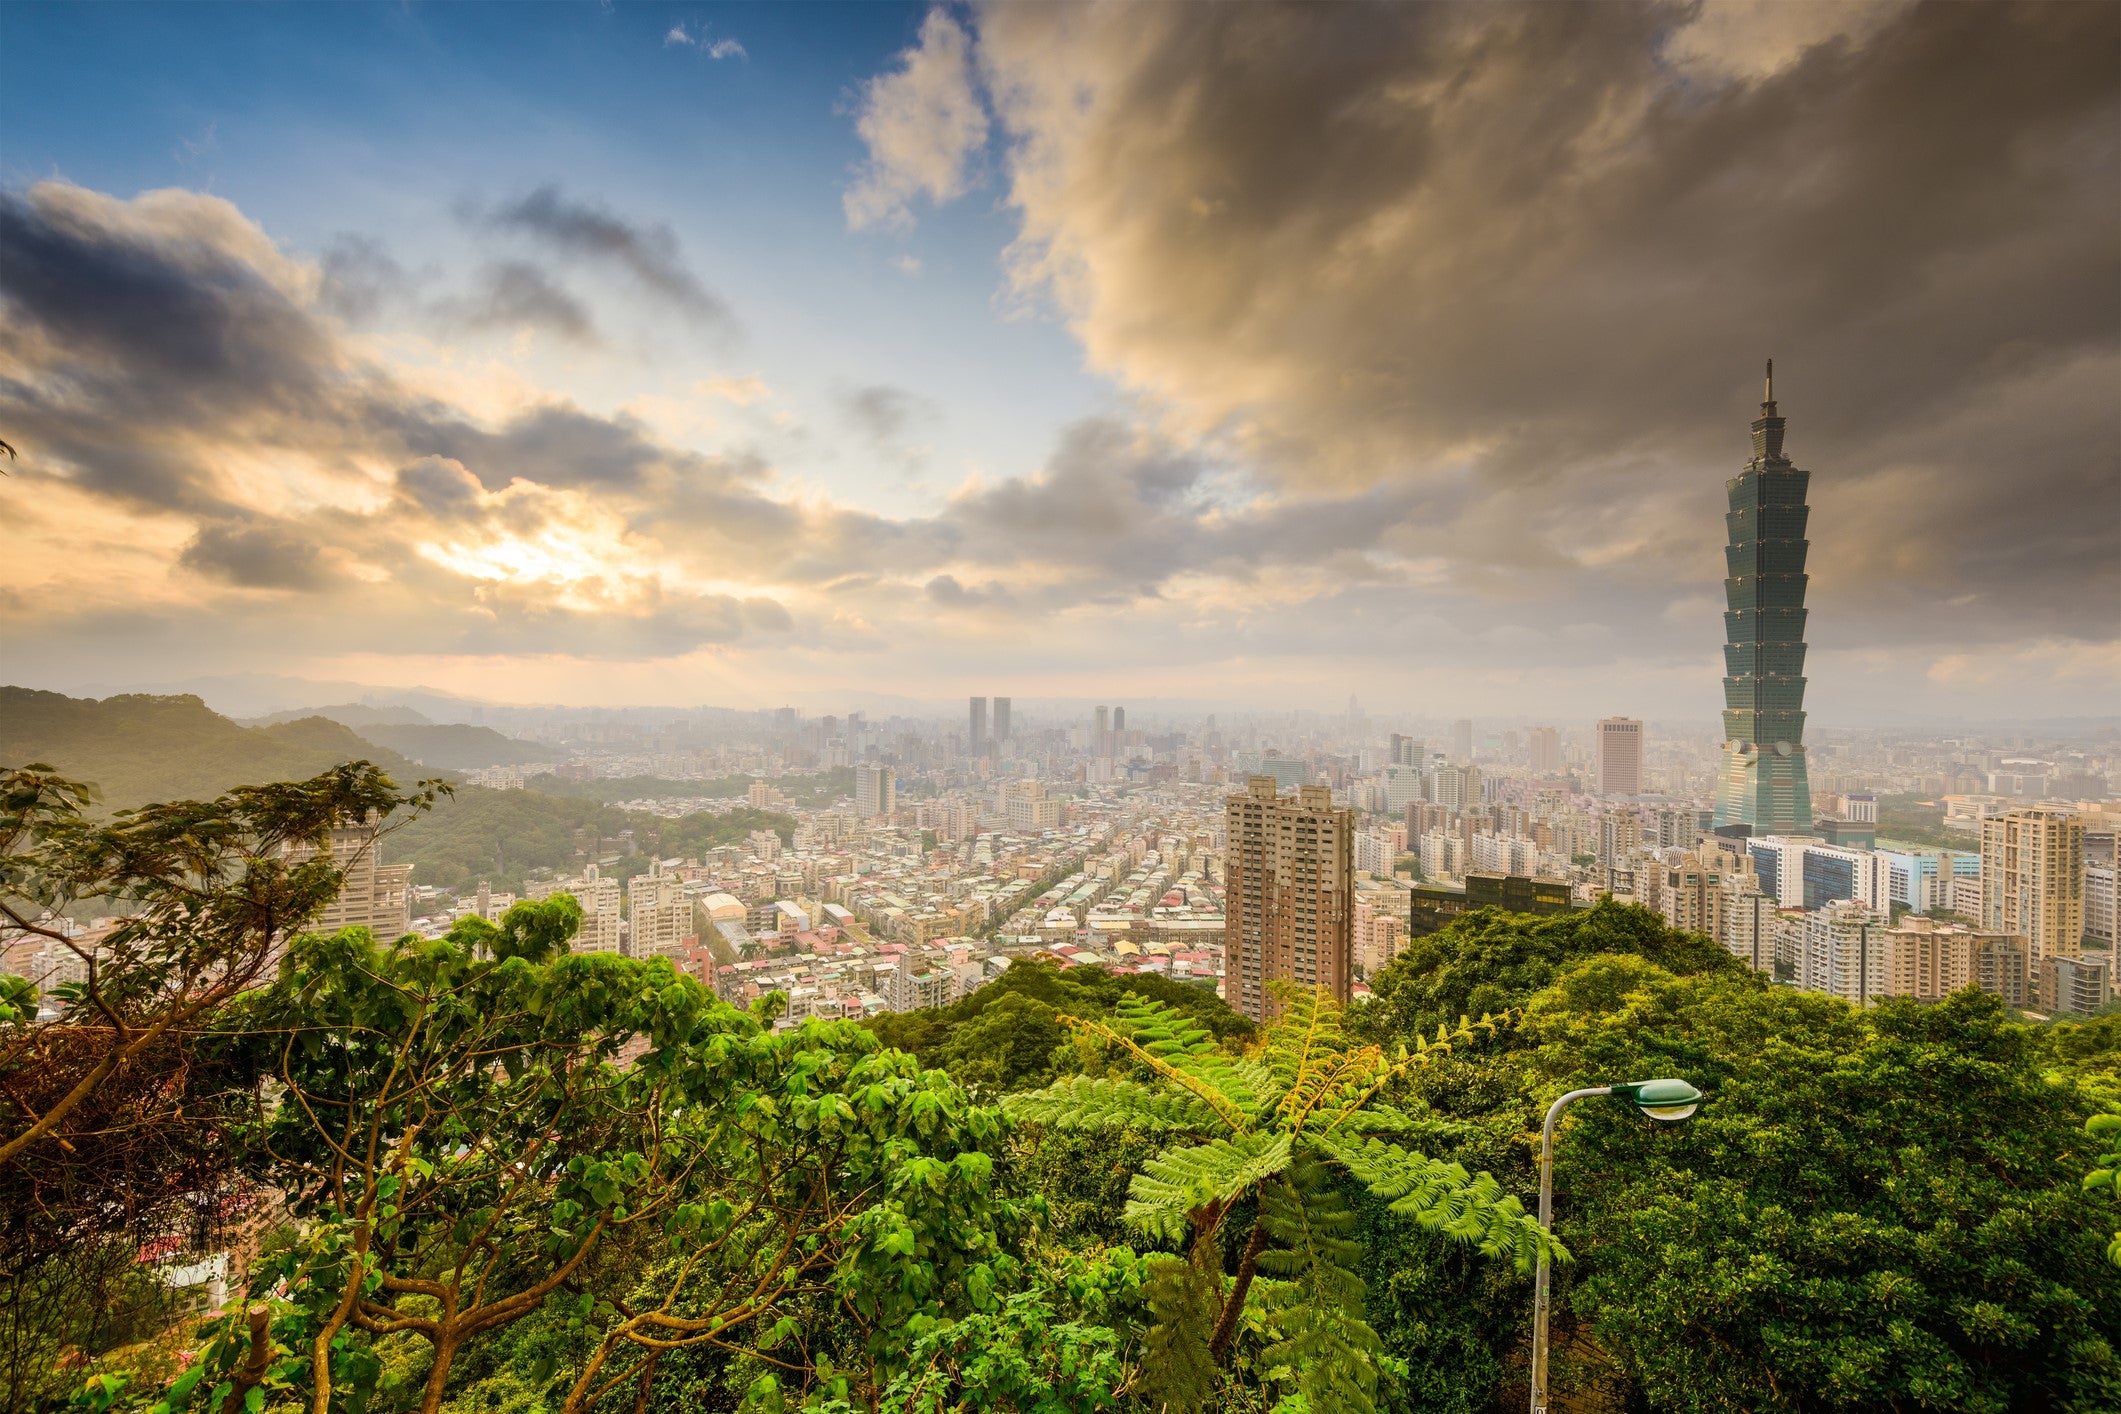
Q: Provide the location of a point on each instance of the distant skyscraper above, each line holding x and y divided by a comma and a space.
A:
1546, 751
979, 726
1119, 720
1763, 782
875, 791
1619, 756
1408, 751
1001, 720
1289, 884
1101, 745
1462, 739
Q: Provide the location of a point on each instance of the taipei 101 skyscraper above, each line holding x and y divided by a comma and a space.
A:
1763, 782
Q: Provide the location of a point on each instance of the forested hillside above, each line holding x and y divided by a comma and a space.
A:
816, 791
502, 836
455, 747
447, 746
137, 748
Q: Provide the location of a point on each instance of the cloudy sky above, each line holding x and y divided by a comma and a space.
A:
604, 354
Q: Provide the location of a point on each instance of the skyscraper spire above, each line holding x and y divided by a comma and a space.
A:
1767, 401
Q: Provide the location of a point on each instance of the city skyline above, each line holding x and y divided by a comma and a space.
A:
706, 355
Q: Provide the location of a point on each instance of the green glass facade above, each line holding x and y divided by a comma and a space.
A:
1763, 781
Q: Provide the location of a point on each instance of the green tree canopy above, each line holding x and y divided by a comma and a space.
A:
463, 1126
1875, 1209
1489, 961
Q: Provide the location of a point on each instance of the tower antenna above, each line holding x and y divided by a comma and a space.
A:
1770, 380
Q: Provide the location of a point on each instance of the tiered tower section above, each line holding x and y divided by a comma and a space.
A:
1763, 782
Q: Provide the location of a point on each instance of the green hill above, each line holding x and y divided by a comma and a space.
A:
136, 748
502, 836
455, 747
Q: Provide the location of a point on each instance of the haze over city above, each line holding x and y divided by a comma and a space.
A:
607, 355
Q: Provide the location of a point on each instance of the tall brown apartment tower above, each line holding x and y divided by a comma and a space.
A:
2032, 879
1288, 892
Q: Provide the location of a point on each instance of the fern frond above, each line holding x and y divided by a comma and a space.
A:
1161, 1029
1325, 1346
1444, 1198
1171, 1187
1205, 1075
1405, 1061
1178, 1366
1307, 1028
1388, 1119
1094, 1102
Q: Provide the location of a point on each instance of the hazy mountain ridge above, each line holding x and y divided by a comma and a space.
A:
454, 747
135, 748
358, 715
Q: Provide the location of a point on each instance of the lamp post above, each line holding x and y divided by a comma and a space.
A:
1666, 1100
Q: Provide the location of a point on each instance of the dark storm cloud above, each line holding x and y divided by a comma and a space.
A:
259, 554
130, 322
582, 230
1524, 257
165, 305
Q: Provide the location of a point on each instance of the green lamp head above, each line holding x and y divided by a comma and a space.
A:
1662, 1099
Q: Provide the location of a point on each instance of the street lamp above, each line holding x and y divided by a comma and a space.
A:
1665, 1100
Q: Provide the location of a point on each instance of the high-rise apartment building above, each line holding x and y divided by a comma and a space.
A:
1101, 744
875, 791
1001, 720
1288, 885
1619, 835
2073, 985
2102, 905
1027, 807
1763, 781
1546, 751
1619, 756
2032, 879
1462, 739
599, 898
658, 915
1402, 787
373, 895
1843, 954
1119, 720
1458, 787
1928, 960
1408, 751
977, 736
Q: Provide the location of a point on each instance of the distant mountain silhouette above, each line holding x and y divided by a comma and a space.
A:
136, 748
